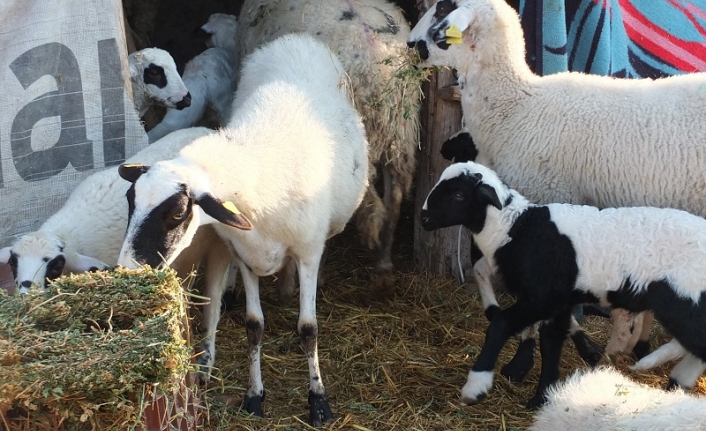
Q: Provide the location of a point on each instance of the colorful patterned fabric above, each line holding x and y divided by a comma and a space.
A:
622, 38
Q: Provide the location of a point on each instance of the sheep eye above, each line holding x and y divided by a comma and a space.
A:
153, 72
458, 196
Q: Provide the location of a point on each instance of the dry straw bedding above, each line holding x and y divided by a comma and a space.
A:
92, 349
395, 364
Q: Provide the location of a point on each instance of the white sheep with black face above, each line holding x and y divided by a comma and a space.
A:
211, 78
88, 231
156, 81
285, 174
555, 256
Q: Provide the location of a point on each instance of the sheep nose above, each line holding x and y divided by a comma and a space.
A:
185, 102
26, 284
421, 47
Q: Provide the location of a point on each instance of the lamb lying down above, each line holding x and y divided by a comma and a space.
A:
604, 399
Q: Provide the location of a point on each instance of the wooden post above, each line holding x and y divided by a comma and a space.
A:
437, 251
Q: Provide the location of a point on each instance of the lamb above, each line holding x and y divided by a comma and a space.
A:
87, 233
555, 256
569, 137
211, 78
297, 181
604, 399
156, 81
369, 38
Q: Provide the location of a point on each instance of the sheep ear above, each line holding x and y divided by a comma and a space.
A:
5, 254
85, 263
486, 194
131, 171
134, 72
224, 212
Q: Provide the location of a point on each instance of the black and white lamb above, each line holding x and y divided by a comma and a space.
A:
211, 78
156, 81
285, 174
555, 256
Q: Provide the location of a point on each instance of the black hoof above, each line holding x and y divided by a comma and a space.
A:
319, 410
491, 311
536, 402
253, 405
589, 351
672, 385
516, 370
641, 349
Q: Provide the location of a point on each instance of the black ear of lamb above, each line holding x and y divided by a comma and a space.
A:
459, 148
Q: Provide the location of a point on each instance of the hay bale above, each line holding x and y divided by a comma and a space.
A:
93, 350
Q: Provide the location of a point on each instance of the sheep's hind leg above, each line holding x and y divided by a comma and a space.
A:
686, 372
383, 280
254, 327
319, 409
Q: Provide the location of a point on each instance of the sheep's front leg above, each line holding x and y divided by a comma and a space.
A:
686, 372
504, 325
254, 327
319, 409
483, 273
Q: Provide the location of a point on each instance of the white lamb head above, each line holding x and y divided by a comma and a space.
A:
446, 33
221, 29
39, 256
155, 80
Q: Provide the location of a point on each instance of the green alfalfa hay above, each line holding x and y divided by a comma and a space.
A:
93, 348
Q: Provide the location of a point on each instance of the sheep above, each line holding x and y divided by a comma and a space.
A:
293, 159
87, 233
156, 81
567, 137
369, 38
555, 256
604, 399
211, 78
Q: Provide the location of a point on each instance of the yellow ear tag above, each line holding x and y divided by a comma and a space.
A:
453, 35
230, 206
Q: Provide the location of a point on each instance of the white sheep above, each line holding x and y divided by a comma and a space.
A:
555, 256
211, 78
569, 137
293, 159
604, 400
88, 231
156, 81
369, 37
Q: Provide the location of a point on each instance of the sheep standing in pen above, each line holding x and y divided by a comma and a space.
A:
211, 78
555, 256
569, 137
369, 37
87, 233
605, 400
156, 81
286, 174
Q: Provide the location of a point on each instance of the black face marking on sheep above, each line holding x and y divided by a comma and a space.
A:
13, 264
163, 229
680, 316
130, 195
155, 75
443, 9
459, 148
184, 103
461, 200
55, 268
347, 15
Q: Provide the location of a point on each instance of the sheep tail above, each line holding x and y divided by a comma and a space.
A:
370, 218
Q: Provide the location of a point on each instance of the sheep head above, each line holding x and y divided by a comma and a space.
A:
155, 80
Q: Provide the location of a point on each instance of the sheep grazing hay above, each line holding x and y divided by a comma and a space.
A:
92, 349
